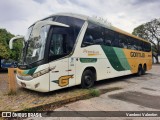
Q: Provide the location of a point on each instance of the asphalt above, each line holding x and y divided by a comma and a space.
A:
137, 94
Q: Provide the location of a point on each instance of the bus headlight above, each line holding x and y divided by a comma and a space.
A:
28, 77
42, 72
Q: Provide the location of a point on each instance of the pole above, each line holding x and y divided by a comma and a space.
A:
11, 81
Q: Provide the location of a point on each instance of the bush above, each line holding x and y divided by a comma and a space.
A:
94, 92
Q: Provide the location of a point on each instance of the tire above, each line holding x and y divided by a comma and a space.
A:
87, 80
140, 70
144, 70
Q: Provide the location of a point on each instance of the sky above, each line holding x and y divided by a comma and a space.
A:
17, 15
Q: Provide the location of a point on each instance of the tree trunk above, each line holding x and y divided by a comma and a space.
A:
156, 57
157, 60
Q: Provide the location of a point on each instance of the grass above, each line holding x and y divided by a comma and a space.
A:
31, 109
94, 92
11, 92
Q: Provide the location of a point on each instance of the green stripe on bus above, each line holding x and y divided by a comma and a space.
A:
122, 58
31, 71
112, 57
88, 60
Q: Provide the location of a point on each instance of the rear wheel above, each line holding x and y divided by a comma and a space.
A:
140, 70
144, 69
87, 79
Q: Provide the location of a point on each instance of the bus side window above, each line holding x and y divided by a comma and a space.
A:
88, 40
147, 47
115, 41
122, 41
138, 44
131, 44
144, 47
73, 31
93, 35
108, 37
57, 45
141, 46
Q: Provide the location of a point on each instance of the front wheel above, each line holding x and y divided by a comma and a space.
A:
87, 79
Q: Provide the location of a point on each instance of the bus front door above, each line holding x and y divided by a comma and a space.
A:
59, 77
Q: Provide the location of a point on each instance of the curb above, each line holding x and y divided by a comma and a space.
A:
57, 103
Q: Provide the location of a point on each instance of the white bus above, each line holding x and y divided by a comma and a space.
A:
67, 49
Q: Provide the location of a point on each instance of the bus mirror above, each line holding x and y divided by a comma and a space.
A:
37, 27
14, 38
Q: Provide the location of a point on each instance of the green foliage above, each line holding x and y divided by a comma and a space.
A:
5, 52
94, 92
151, 32
139, 31
17, 50
4, 41
5, 36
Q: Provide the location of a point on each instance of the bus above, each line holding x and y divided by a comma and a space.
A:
67, 49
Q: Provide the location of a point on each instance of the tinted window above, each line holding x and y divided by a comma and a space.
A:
62, 38
102, 36
74, 29
59, 43
115, 42
109, 37
139, 44
74, 23
131, 44
58, 46
123, 41
147, 47
93, 35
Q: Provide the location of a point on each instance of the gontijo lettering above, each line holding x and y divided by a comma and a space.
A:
137, 54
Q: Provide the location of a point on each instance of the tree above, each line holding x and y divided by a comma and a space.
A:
151, 32
17, 50
4, 49
5, 52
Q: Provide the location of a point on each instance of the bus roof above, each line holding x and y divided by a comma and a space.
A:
99, 22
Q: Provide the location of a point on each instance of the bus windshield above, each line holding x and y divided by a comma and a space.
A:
61, 39
35, 48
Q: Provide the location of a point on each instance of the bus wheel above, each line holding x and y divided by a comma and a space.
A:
87, 79
144, 69
139, 73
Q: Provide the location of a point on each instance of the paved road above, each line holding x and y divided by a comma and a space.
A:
137, 94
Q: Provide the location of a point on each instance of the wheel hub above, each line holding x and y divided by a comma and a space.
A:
88, 80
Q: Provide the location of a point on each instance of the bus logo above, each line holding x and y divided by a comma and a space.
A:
137, 54
91, 52
64, 80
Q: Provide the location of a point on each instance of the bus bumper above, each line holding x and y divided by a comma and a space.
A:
40, 83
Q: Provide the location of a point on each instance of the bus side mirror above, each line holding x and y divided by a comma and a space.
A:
37, 27
14, 38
